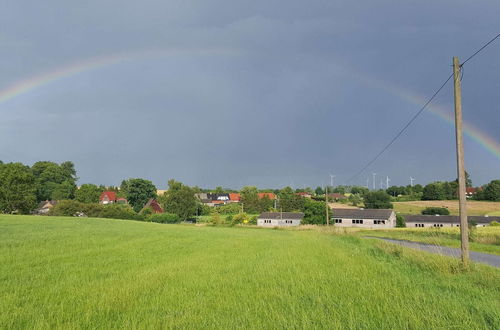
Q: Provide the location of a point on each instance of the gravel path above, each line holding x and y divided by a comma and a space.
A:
486, 258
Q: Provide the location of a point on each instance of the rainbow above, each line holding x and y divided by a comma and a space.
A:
489, 143
24, 86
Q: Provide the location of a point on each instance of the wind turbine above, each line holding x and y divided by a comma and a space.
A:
387, 182
374, 174
331, 179
411, 181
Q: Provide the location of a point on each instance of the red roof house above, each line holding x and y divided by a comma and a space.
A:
234, 197
107, 197
153, 204
268, 195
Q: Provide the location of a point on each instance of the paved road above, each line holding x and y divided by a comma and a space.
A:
486, 258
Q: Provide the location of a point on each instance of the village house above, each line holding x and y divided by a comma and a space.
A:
279, 219
44, 207
422, 221
107, 197
365, 218
154, 205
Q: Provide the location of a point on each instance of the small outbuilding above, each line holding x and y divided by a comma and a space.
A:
279, 219
44, 207
365, 218
154, 205
422, 221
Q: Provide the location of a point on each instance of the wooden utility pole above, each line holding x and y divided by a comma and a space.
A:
464, 229
326, 203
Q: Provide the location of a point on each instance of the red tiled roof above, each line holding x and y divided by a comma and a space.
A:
154, 205
111, 195
269, 195
234, 197
471, 190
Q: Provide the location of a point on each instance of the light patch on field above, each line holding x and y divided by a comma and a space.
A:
473, 207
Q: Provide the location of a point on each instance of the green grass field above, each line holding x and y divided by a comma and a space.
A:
106, 274
485, 239
473, 207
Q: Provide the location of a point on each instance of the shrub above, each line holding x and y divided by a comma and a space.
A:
229, 219
436, 210
164, 218
116, 211
231, 208
147, 211
494, 224
216, 219
240, 218
68, 208
400, 221
253, 220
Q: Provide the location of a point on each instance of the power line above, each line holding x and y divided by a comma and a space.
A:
480, 49
420, 111
401, 131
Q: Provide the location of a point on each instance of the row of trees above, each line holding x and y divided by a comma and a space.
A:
21, 186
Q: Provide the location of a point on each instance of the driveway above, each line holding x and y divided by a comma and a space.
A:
485, 258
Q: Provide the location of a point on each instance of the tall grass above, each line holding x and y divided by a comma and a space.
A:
97, 273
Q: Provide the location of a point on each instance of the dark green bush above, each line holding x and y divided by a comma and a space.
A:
164, 218
72, 208
67, 208
436, 210
117, 211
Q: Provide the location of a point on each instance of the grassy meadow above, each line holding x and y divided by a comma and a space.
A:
102, 273
473, 207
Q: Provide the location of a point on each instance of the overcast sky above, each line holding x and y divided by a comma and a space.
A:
233, 93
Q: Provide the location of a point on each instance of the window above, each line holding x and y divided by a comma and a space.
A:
288, 221
357, 221
437, 225
419, 225
338, 220
379, 222
267, 221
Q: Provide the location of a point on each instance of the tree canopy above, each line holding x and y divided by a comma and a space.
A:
17, 188
180, 200
88, 193
139, 191
377, 200
54, 181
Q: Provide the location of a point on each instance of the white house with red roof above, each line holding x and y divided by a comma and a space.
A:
107, 197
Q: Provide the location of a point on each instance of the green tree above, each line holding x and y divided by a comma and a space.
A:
139, 191
289, 201
433, 191
319, 191
180, 200
219, 190
64, 190
265, 204
400, 221
378, 200
359, 190
17, 188
355, 199
492, 191
250, 199
88, 193
50, 176
314, 212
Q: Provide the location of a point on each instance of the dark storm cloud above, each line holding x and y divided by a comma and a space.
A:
273, 103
